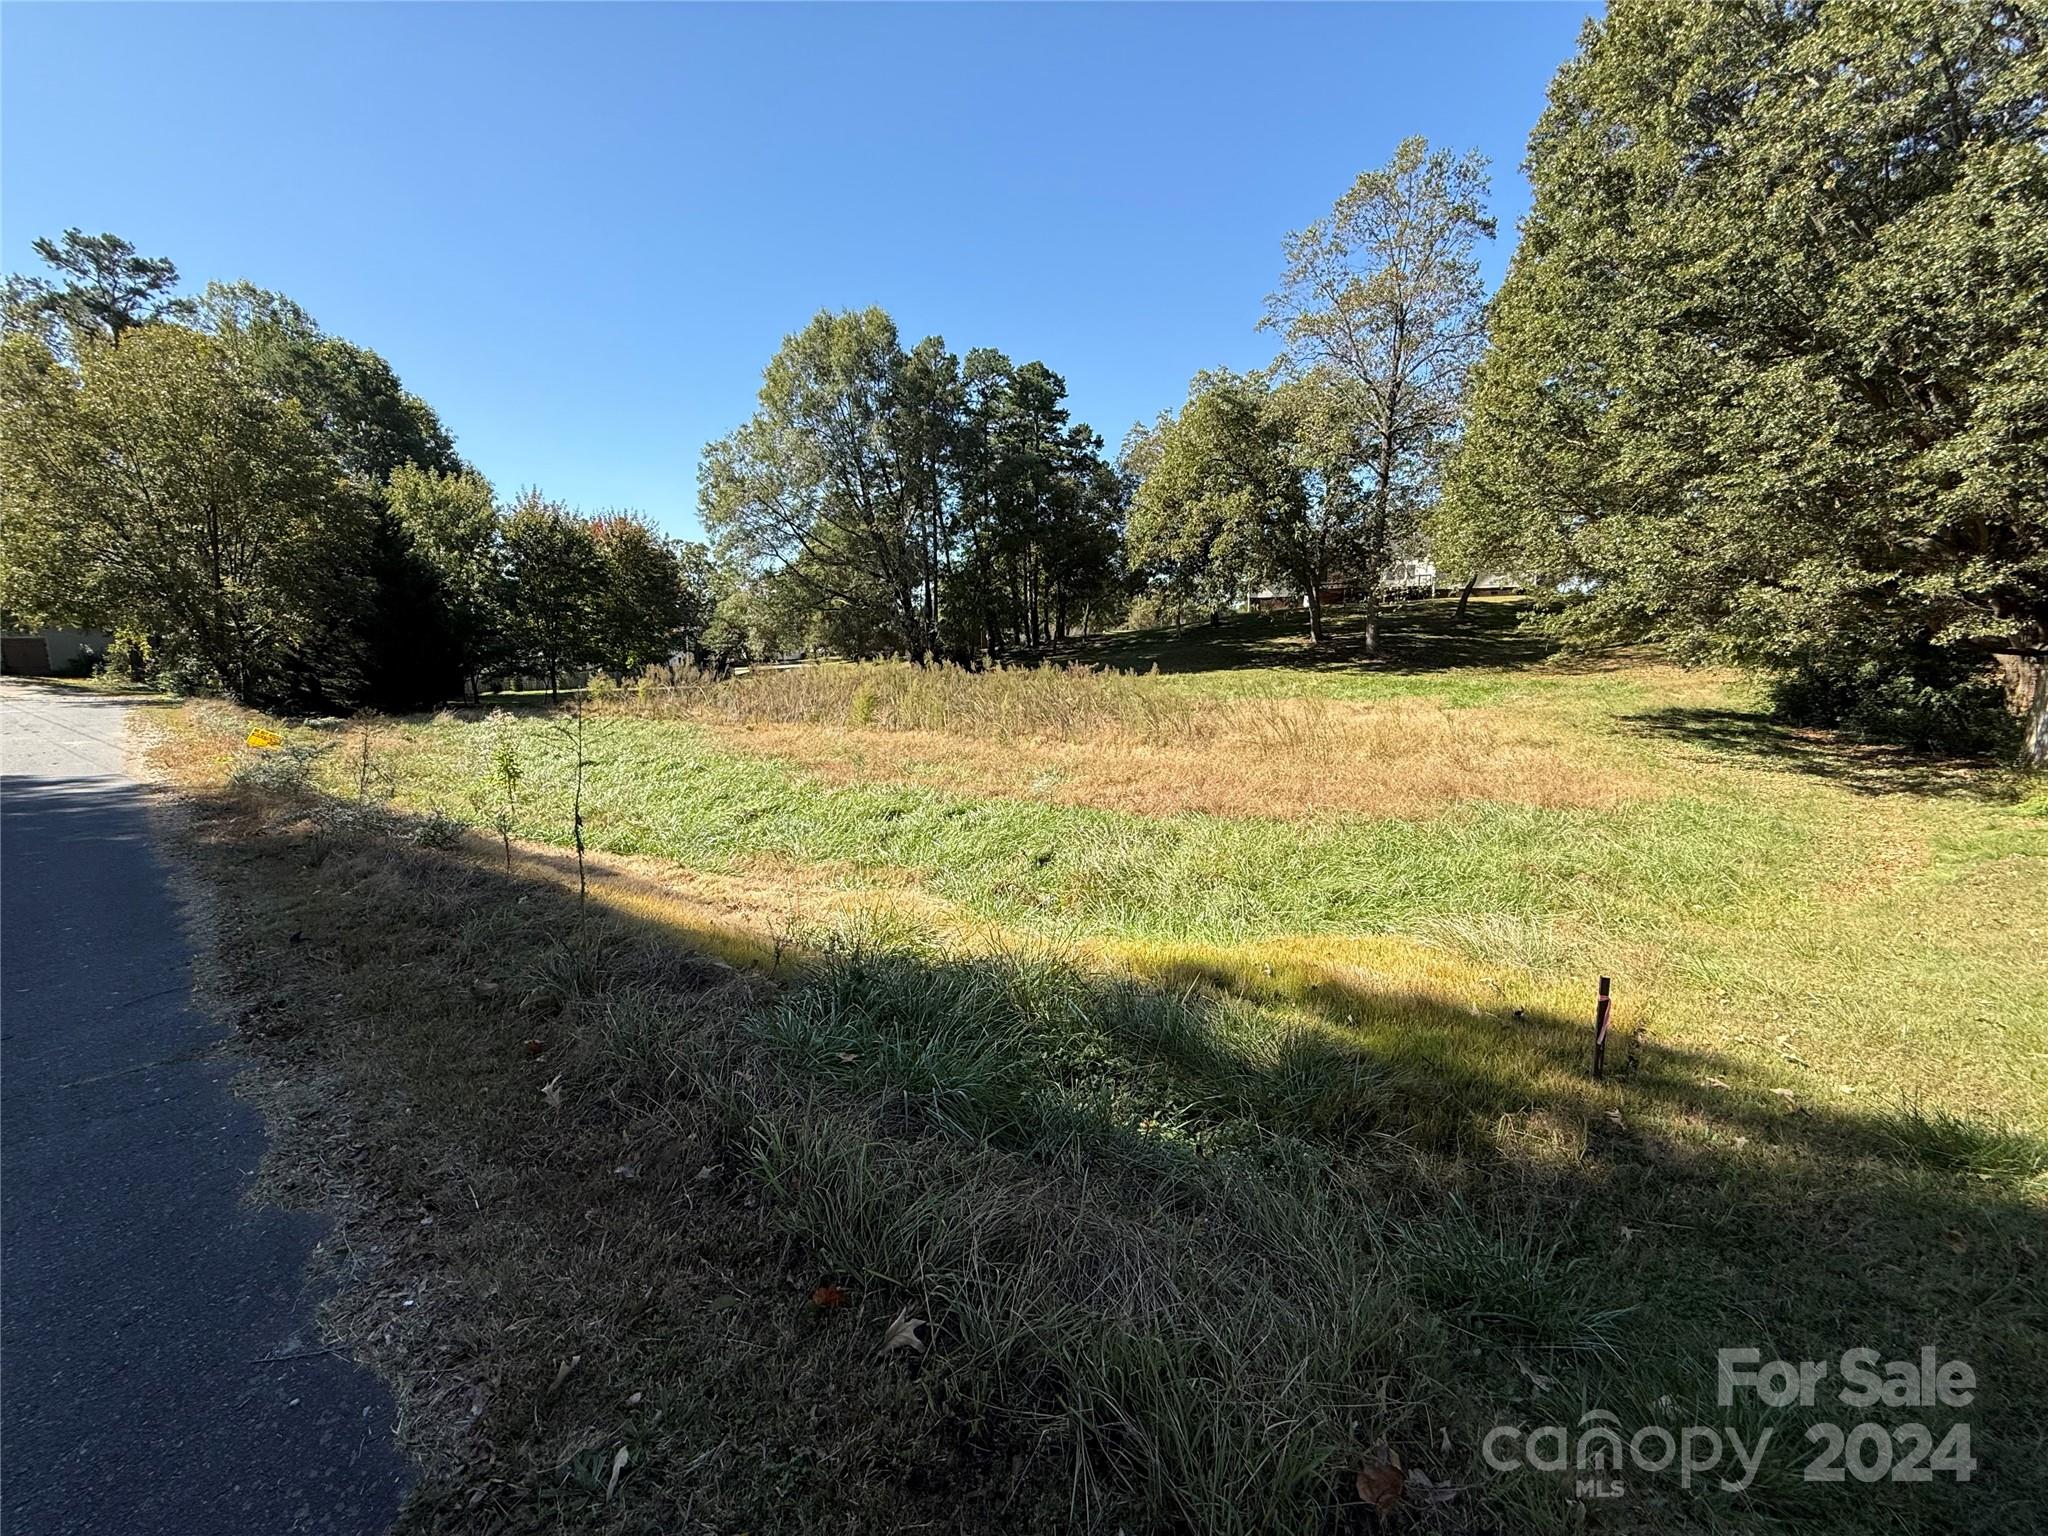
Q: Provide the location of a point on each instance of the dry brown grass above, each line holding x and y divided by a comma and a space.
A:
1122, 743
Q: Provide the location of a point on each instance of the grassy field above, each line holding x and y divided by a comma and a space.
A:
1193, 1043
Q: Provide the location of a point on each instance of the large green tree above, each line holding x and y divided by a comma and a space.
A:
1040, 511
1381, 300
1770, 369
648, 607
1255, 479
452, 524
153, 488
372, 422
553, 588
906, 501
814, 487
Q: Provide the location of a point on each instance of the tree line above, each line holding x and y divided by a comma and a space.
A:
253, 505
1763, 383
885, 499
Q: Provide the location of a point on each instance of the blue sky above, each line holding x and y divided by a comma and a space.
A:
580, 231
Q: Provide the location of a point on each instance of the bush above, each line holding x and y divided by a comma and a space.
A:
1167, 608
188, 676
129, 658
437, 829
1931, 700
284, 771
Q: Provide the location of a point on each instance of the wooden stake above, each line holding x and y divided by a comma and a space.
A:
1600, 1021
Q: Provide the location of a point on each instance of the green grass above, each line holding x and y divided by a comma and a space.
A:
1224, 1153
1779, 897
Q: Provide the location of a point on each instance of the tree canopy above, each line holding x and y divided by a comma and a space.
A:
1769, 373
266, 507
1318, 471
103, 289
904, 501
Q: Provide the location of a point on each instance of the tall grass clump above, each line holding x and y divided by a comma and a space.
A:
1140, 1221
1949, 1143
1059, 702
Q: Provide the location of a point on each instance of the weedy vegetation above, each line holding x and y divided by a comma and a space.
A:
872, 1150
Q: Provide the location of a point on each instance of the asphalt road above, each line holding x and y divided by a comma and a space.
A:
143, 1302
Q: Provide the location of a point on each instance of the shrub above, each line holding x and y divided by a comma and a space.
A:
437, 829
286, 772
1931, 700
187, 676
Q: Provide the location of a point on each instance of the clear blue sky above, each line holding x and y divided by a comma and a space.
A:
580, 231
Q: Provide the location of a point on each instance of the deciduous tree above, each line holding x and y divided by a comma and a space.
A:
154, 489
553, 588
1769, 363
1382, 298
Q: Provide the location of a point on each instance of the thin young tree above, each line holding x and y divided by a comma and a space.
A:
1383, 298
572, 732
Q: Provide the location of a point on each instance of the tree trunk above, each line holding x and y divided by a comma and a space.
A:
1315, 615
2026, 687
1465, 595
1372, 619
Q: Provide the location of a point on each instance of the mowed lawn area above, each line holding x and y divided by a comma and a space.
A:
1189, 1044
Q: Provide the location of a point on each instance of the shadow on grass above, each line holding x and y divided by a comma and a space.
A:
1864, 768
1280, 1156
1415, 637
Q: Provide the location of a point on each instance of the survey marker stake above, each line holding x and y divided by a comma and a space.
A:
1600, 1020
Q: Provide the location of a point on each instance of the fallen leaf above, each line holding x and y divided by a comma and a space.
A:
1429, 1490
552, 1091
1956, 1240
1615, 1116
1715, 1082
635, 1399
905, 1333
618, 1465
849, 1056
1540, 1382
1380, 1485
535, 1047
828, 1295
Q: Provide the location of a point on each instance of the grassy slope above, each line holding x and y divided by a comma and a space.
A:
1802, 933
1783, 897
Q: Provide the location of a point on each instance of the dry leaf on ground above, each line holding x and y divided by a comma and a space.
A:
906, 1332
1381, 1484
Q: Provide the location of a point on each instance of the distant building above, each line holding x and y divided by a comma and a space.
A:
1402, 578
52, 652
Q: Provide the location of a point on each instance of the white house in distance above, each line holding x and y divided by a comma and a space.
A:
1403, 578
